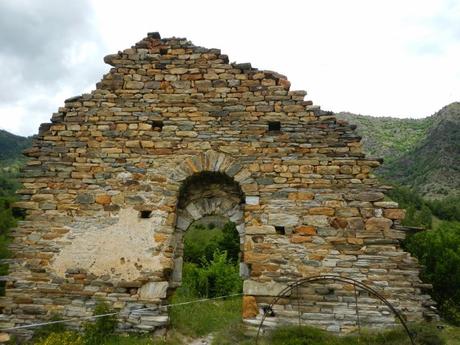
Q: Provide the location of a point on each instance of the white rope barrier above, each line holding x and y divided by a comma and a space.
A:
116, 313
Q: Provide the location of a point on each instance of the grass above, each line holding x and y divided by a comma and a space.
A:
143, 340
199, 319
222, 318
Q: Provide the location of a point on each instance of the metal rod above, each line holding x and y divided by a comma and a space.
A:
330, 277
357, 311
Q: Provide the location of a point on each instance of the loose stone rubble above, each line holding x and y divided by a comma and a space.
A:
173, 133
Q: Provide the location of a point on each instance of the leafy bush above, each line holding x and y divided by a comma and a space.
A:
200, 243
62, 338
418, 213
218, 277
230, 242
7, 221
448, 209
439, 252
451, 311
97, 332
44, 331
8, 184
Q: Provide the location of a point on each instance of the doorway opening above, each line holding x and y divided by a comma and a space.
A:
209, 239
211, 259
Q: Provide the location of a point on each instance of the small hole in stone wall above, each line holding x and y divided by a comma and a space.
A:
157, 125
274, 126
268, 311
280, 230
145, 214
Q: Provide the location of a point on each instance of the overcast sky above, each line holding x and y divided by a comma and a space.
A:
382, 58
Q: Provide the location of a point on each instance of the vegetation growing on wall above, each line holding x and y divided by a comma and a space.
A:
437, 248
8, 218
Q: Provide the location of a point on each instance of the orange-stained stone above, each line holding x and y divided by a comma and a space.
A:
264, 267
305, 230
323, 211
394, 213
301, 196
250, 257
300, 239
305, 196
103, 199
250, 308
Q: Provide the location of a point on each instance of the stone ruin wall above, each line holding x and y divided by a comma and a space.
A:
167, 112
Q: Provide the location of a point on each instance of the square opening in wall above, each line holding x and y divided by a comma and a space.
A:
274, 126
145, 214
157, 125
280, 230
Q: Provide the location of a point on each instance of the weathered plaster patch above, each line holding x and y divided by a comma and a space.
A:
121, 250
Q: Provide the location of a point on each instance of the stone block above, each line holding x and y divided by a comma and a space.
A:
283, 219
394, 213
260, 229
305, 230
252, 200
134, 85
153, 290
255, 288
319, 221
378, 224
370, 196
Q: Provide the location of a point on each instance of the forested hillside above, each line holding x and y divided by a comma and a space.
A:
422, 154
11, 147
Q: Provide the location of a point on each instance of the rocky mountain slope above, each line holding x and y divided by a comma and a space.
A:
423, 154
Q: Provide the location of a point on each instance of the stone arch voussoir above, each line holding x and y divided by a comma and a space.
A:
214, 161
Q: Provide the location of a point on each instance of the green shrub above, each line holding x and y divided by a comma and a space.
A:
439, 252
97, 332
451, 311
418, 212
7, 221
62, 338
230, 242
201, 242
44, 331
447, 209
218, 277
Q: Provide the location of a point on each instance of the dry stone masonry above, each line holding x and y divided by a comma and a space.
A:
174, 133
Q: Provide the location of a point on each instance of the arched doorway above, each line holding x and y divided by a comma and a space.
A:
205, 194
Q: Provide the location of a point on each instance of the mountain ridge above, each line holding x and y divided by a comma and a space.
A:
422, 154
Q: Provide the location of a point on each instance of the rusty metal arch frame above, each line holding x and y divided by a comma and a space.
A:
334, 278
